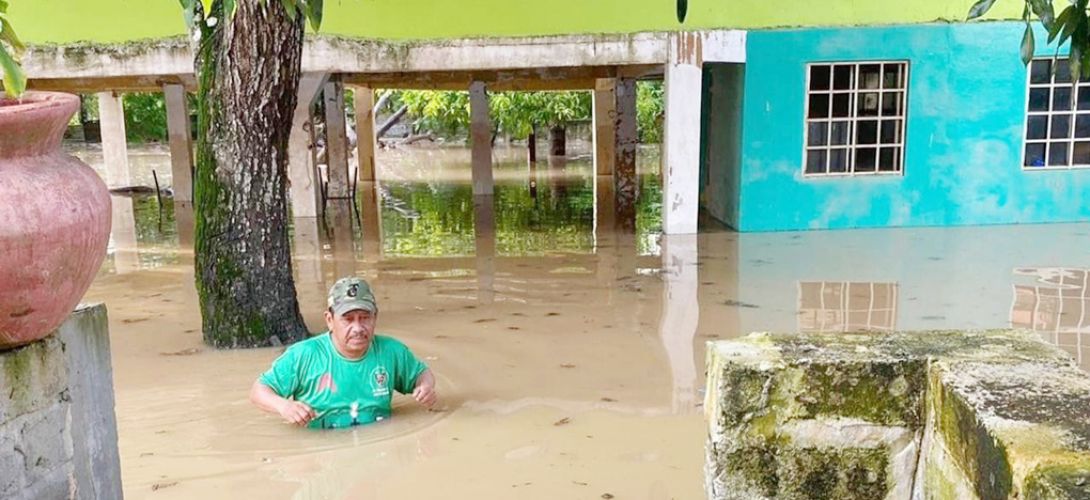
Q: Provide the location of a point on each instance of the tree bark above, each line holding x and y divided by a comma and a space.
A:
531, 146
248, 70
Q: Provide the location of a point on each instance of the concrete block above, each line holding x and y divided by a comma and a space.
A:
32, 378
973, 414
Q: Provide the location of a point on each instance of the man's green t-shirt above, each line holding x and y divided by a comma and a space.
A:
343, 392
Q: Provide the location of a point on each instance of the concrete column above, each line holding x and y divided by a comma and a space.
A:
480, 133
605, 125
307, 250
484, 232
184, 223
681, 145
115, 152
302, 176
626, 188
336, 138
181, 145
123, 235
365, 134
371, 208
338, 226
680, 316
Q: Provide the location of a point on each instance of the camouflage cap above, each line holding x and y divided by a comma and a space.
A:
350, 294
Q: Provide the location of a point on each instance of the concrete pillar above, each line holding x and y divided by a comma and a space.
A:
181, 145
371, 208
681, 144
336, 137
58, 429
605, 125
680, 316
115, 154
626, 187
184, 223
302, 176
365, 134
484, 232
123, 235
307, 252
480, 134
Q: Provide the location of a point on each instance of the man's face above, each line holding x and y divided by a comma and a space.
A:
353, 329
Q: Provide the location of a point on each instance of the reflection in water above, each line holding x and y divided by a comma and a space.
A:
569, 348
847, 307
1058, 307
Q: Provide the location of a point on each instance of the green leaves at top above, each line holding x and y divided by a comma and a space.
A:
1027, 45
980, 8
14, 81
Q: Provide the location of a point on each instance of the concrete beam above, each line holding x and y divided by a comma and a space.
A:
605, 125
302, 176
480, 132
365, 133
115, 154
681, 145
339, 55
87, 85
181, 145
336, 137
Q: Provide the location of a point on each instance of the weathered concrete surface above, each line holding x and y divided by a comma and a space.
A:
115, 150
681, 134
58, 431
480, 138
365, 133
181, 144
328, 54
303, 182
336, 146
975, 414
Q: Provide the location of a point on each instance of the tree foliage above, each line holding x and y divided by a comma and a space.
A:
1070, 26
517, 114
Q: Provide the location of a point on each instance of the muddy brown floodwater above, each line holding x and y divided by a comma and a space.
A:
569, 356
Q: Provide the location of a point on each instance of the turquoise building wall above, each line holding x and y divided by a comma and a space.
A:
964, 135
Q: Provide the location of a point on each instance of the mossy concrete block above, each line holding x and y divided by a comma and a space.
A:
943, 414
32, 377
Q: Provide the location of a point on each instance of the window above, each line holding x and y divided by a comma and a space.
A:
826, 306
855, 118
1058, 118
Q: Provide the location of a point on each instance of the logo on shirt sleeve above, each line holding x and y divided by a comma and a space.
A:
380, 382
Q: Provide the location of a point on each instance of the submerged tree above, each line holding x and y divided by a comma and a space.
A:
248, 64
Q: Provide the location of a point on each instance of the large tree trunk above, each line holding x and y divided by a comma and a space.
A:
248, 70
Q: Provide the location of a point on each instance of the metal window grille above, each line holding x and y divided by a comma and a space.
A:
1057, 117
855, 118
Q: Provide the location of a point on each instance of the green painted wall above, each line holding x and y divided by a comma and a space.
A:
66, 21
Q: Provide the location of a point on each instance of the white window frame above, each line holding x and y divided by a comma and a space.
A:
1048, 141
853, 119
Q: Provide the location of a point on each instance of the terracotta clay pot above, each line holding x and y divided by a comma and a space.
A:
54, 218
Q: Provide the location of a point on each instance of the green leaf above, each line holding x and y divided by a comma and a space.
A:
980, 8
7, 34
3, 6
207, 6
1027, 45
1059, 24
228, 9
314, 13
1044, 12
289, 8
14, 79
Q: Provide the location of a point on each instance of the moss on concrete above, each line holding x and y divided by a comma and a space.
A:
1059, 482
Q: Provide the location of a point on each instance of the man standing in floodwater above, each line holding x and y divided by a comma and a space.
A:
343, 377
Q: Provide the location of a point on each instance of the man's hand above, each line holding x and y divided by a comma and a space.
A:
424, 393
297, 413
